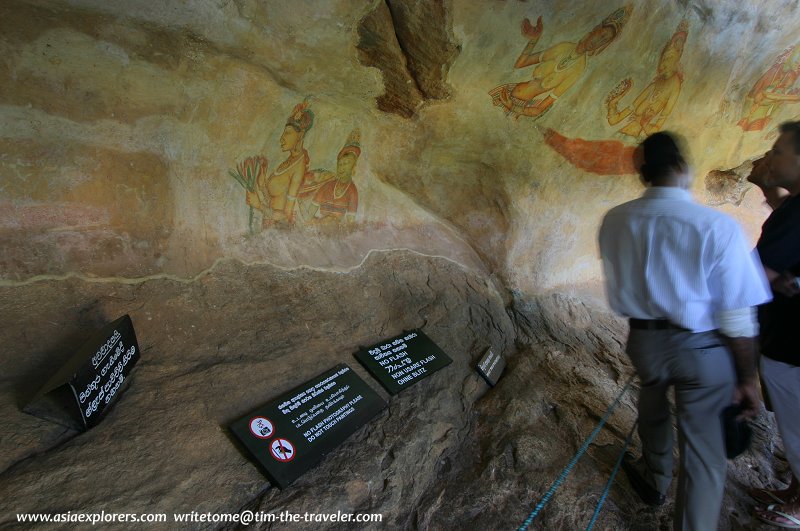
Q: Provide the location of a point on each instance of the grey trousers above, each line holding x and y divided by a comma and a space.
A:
783, 383
701, 370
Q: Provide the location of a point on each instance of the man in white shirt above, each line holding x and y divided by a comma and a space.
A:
684, 276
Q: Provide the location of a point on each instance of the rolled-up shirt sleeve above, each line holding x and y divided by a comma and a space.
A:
741, 322
737, 278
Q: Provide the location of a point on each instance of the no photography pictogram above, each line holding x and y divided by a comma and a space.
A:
261, 427
282, 450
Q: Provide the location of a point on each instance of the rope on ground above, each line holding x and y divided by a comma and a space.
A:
611, 479
564, 473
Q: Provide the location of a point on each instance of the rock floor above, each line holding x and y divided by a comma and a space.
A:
448, 453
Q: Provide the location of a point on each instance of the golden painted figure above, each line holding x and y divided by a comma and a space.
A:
276, 195
773, 89
556, 69
647, 113
336, 201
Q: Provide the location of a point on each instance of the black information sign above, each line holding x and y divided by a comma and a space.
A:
402, 361
491, 367
86, 387
292, 433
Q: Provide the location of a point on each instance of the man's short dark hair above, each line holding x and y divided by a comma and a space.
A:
794, 128
662, 156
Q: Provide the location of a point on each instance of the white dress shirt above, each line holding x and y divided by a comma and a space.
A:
666, 257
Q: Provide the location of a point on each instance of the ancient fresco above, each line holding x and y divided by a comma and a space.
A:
293, 194
332, 197
275, 195
648, 112
246, 173
556, 69
602, 157
645, 115
774, 89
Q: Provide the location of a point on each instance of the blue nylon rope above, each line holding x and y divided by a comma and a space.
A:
611, 480
564, 473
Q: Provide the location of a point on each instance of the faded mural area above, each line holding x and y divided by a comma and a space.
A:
267, 186
141, 140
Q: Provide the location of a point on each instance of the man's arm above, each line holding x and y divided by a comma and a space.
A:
744, 359
739, 329
784, 283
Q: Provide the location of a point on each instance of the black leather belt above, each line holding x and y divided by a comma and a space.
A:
654, 324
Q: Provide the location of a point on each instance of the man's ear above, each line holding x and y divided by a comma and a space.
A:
638, 157
643, 173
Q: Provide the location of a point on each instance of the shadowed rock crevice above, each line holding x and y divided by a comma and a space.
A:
411, 43
424, 32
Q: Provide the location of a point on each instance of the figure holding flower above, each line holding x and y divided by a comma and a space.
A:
276, 195
246, 174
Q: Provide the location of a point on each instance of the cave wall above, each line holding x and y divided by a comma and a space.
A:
122, 125
129, 130
124, 122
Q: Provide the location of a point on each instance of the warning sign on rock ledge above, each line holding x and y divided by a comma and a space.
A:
292, 433
402, 361
86, 387
491, 367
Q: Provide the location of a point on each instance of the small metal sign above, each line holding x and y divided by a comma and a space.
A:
491, 367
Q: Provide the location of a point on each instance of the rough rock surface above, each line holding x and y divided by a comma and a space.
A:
570, 368
216, 347
411, 43
122, 126
446, 454
729, 186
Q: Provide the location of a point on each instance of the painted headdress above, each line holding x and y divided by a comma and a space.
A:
352, 145
679, 37
617, 19
783, 57
301, 118
675, 45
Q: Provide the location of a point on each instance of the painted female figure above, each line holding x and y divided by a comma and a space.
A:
556, 69
276, 195
647, 113
773, 89
336, 201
